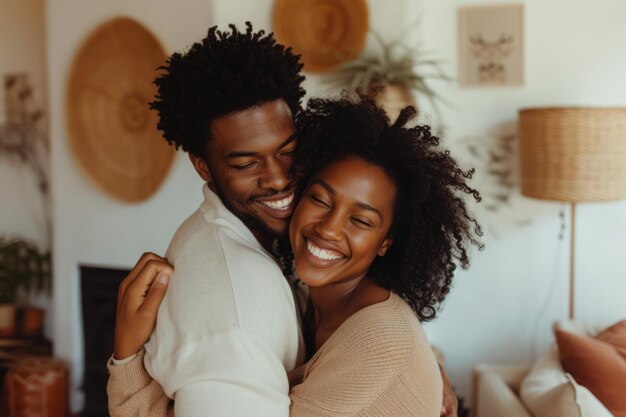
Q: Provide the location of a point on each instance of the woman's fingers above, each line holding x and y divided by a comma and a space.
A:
139, 266
140, 286
140, 295
155, 295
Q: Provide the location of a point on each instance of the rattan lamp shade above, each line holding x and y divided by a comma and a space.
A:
573, 154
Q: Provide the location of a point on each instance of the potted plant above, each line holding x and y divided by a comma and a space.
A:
395, 74
23, 139
22, 267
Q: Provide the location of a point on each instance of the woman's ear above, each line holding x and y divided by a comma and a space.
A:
384, 247
202, 168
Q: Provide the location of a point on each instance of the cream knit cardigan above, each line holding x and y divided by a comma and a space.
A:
377, 363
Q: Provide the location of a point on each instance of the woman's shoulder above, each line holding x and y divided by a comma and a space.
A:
393, 314
382, 350
383, 327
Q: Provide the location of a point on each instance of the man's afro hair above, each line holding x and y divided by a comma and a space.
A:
223, 73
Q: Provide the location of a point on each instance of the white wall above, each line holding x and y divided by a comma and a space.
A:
22, 51
500, 310
90, 228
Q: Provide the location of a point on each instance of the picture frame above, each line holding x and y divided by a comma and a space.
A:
491, 46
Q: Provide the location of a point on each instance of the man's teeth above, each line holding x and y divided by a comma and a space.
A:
322, 253
280, 204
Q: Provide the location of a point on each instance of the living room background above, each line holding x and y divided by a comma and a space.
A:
500, 311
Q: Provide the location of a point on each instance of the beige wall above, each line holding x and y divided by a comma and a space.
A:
22, 50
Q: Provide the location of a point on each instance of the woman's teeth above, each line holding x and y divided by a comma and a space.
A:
279, 204
322, 253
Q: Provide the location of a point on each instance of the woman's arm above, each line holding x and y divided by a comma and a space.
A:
131, 390
133, 393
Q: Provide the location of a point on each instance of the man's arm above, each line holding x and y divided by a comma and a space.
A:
217, 343
243, 379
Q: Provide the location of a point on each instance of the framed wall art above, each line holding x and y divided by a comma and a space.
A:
491, 46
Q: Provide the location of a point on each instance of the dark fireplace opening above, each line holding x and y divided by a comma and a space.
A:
99, 288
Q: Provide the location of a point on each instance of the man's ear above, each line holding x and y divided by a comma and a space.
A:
384, 247
202, 168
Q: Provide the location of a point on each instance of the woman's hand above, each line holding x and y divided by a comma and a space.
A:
138, 300
450, 403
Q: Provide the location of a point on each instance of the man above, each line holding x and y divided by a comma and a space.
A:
222, 342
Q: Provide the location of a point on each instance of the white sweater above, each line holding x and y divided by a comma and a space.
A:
227, 329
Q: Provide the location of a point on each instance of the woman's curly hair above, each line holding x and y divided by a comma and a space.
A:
223, 73
432, 227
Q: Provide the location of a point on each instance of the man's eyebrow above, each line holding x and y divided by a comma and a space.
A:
288, 140
332, 191
241, 154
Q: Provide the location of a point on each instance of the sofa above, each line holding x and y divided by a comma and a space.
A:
495, 391
543, 390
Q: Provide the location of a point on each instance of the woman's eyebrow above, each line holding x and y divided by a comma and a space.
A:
366, 206
332, 191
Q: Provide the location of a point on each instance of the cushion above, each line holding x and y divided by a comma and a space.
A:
616, 337
597, 365
548, 391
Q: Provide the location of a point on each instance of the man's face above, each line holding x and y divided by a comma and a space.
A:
248, 159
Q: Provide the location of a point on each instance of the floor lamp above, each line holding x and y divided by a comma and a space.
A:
573, 155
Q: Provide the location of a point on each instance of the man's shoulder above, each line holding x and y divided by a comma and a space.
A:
202, 249
200, 228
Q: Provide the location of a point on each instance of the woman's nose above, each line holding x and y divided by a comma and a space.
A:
330, 228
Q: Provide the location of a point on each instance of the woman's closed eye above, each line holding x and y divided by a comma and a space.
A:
359, 221
319, 201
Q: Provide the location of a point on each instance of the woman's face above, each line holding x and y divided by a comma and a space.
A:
342, 222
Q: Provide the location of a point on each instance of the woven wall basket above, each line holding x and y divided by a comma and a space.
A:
325, 32
112, 132
573, 154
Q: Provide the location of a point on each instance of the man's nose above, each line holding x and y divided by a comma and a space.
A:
275, 176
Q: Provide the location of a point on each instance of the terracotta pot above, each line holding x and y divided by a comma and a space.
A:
393, 98
7, 320
31, 321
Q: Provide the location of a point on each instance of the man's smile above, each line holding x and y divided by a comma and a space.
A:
279, 206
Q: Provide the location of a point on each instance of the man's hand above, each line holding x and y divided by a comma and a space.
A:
450, 403
138, 300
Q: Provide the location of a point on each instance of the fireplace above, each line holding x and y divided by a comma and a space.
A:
99, 288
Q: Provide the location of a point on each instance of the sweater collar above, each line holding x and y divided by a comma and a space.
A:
214, 210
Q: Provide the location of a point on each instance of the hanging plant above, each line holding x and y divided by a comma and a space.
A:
392, 64
23, 137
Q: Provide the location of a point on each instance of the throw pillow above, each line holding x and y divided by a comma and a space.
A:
596, 365
547, 391
616, 337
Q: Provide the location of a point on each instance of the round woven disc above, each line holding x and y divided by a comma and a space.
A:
325, 32
112, 132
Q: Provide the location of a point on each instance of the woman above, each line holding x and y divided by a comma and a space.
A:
376, 236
